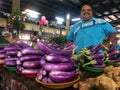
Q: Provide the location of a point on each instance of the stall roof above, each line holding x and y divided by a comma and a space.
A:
109, 9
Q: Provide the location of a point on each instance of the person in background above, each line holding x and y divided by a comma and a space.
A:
91, 31
34, 37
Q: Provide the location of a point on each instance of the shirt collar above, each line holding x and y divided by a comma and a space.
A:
81, 21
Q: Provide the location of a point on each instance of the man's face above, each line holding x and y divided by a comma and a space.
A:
86, 13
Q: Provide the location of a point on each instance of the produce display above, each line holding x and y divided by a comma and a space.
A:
96, 57
52, 64
57, 64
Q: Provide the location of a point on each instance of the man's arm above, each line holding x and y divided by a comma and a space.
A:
111, 40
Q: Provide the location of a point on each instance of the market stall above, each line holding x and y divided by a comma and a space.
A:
51, 66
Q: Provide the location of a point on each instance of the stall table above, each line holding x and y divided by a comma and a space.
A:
10, 80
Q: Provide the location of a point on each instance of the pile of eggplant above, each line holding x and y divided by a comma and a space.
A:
50, 63
28, 63
57, 64
96, 56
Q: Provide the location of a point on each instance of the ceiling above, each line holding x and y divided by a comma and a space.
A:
108, 9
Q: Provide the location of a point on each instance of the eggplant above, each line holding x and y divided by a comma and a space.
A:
112, 49
2, 51
47, 49
2, 55
45, 79
62, 76
112, 53
42, 61
59, 66
11, 53
95, 56
11, 59
43, 72
66, 45
20, 68
99, 61
28, 51
40, 74
12, 48
49, 80
19, 54
114, 60
113, 57
18, 62
10, 63
55, 58
99, 65
30, 71
31, 64
90, 47
96, 48
30, 57
21, 44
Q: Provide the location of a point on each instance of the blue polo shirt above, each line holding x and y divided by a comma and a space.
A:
92, 32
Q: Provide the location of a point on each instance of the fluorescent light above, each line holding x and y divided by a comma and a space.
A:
59, 19
118, 16
107, 19
31, 13
114, 10
112, 17
98, 14
68, 16
75, 19
106, 12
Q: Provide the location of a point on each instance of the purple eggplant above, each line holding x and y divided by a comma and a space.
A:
20, 68
95, 56
96, 48
30, 71
47, 49
10, 63
12, 48
112, 49
2, 55
31, 64
62, 76
99, 61
18, 62
59, 66
115, 60
42, 61
21, 44
28, 51
45, 79
90, 47
40, 74
49, 80
112, 54
11, 53
55, 58
19, 54
2, 51
11, 59
30, 57
99, 65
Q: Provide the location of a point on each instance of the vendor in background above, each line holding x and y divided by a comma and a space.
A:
91, 31
34, 37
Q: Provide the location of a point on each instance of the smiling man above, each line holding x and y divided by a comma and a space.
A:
91, 31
